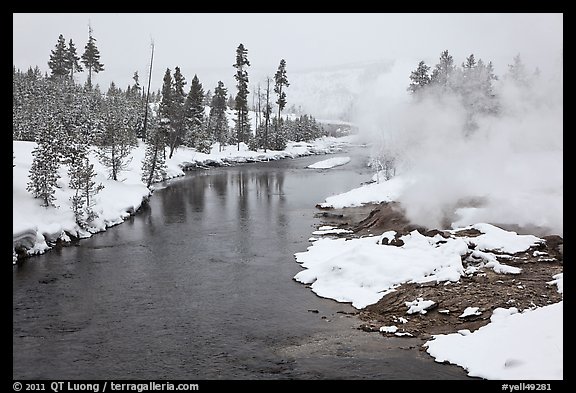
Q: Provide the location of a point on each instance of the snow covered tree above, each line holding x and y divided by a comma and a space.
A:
165, 109
419, 78
73, 60
91, 57
154, 165
278, 139
117, 137
59, 60
241, 76
135, 105
281, 81
443, 70
217, 122
517, 72
81, 174
194, 116
176, 113
44, 169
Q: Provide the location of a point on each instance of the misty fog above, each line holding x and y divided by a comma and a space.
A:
507, 171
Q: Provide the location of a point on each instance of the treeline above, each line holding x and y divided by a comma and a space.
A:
472, 83
69, 120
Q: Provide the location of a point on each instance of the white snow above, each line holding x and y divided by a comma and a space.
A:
334, 231
330, 163
494, 238
389, 329
35, 228
419, 306
361, 271
513, 346
470, 311
559, 281
369, 193
491, 262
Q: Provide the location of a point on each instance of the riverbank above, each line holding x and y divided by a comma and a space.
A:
37, 229
466, 293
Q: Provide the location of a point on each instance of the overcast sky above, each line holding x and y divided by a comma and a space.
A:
205, 43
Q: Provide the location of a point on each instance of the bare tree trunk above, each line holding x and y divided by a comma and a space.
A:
267, 114
148, 93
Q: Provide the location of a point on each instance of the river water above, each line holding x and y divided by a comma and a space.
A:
198, 285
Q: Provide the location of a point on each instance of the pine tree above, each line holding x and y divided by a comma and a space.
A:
280, 81
194, 116
59, 61
278, 139
154, 165
73, 60
165, 108
443, 70
81, 174
117, 137
241, 76
91, 57
135, 105
419, 78
217, 122
44, 169
176, 112
517, 72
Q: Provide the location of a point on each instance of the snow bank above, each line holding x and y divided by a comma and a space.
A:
361, 271
494, 238
330, 163
512, 346
369, 193
36, 228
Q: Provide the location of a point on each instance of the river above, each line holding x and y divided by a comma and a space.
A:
198, 285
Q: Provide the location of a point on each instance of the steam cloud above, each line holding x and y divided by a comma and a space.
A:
509, 171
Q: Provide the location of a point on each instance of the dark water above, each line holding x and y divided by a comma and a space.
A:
198, 285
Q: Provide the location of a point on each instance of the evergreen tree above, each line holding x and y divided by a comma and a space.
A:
443, 70
194, 116
217, 122
241, 76
280, 81
59, 61
419, 78
517, 72
278, 138
165, 109
73, 60
81, 174
176, 114
44, 169
117, 137
91, 57
154, 165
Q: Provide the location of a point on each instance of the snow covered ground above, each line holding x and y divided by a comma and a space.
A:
36, 228
330, 163
513, 345
361, 271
